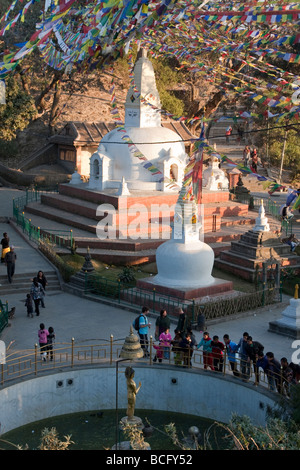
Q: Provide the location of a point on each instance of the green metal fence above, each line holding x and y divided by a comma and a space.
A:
3, 315
34, 233
123, 294
126, 293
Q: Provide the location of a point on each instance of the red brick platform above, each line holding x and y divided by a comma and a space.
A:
218, 287
75, 207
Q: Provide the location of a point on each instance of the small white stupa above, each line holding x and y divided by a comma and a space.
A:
261, 222
289, 323
116, 161
215, 179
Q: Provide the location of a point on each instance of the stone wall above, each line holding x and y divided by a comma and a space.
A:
199, 393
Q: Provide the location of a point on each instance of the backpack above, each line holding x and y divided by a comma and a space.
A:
136, 322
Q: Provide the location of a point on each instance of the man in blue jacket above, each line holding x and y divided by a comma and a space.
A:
144, 326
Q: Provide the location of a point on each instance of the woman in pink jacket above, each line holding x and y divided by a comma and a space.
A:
43, 335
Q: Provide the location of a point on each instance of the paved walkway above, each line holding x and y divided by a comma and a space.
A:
82, 319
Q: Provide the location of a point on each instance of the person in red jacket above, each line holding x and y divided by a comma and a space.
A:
228, 133
217, 349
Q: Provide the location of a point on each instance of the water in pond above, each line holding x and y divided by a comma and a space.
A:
96, 430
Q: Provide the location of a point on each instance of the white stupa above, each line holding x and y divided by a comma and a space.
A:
115, 162
261, 222
215, 179
185, 261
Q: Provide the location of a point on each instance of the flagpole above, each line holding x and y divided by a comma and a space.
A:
282, 154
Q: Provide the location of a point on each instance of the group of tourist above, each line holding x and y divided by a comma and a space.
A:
250, 158
46, 341
241, 355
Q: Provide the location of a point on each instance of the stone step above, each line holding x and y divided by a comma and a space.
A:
157, 213
239, 259
22, 283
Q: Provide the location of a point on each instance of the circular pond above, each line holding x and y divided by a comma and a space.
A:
96, 430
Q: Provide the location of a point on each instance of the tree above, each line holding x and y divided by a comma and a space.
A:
18, 111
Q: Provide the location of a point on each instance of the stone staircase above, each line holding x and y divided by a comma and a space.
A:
76, 209
22, 283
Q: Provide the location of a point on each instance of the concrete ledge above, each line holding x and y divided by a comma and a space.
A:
75, 390
284, 330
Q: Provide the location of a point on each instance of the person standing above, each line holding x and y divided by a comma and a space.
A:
41, 278
10, 261
217, 348
165, 342
205, 343
231, 349
183, 321
246, 155
253, 350
245, 365
43, 335
176, 348
228, 133
28, 305
254, 160
36, 292
144, 326
5, 246
187, 349
162, 323
50, 341
274, 372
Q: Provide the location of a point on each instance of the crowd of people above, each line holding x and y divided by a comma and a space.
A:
241, 355
250, 158
34, 299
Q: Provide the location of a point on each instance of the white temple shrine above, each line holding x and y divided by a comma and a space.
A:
115, 163
215, 179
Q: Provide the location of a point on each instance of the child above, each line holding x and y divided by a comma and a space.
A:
165, 342
207, 350
50, 341
176, 348
28, 305
42, 334
163, 349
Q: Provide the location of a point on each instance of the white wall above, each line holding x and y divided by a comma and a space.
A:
199, 393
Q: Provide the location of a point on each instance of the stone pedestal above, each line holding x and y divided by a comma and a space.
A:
247, 256
134, 421
289, 323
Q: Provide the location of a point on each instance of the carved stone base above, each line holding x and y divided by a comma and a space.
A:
125, 445
134, 421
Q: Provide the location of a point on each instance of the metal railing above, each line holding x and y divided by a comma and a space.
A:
3, 315
32, 363
123, 294
34, 233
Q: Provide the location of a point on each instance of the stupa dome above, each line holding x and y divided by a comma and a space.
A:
184, 265
125, 164
144, 153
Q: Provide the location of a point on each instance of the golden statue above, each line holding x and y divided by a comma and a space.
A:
132, 391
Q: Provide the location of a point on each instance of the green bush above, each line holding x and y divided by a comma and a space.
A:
17, 112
